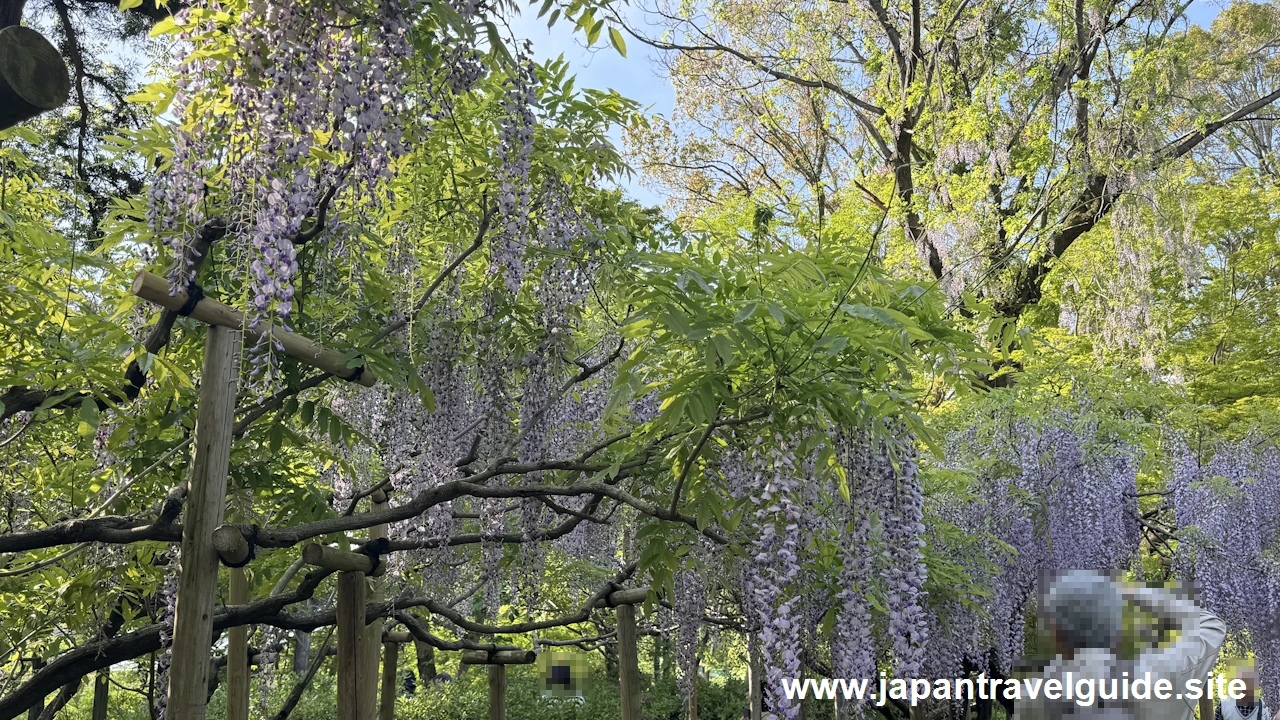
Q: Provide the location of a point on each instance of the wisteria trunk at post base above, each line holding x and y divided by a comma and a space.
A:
426, 657
497, 692
350, 618
206, 501
628, 663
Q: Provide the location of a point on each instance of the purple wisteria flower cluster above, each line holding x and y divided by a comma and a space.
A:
774, 567
515, 153
303, 105
1050, 493
1226, 506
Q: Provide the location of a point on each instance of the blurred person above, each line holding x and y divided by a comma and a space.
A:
1247, 707
1084, 615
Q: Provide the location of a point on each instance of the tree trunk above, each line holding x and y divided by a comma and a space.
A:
426, 662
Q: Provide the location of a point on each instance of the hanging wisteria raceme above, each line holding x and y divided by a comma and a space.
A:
514, 153
690, 604
314, 93
1059, 493
775, 564
1226, 506
898, 492
852, 644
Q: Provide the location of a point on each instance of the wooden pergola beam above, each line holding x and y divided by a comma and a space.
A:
499, 657
331, 558
155, 289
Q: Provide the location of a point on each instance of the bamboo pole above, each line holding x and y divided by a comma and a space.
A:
497, 692
154, 288
238, 652
373, 631
206, 500
350, 617
390, 663
628, 663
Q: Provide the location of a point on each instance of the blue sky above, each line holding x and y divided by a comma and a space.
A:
639, 76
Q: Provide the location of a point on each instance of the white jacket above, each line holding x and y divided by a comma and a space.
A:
1195, 653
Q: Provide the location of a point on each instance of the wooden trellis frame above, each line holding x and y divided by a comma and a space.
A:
203, 539
155, 289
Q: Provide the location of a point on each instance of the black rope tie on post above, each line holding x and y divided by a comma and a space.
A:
253, 549
374, 550
195, 294
354, 377
613, 588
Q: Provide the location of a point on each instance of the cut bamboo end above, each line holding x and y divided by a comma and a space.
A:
402, 636
341, 560
155, 289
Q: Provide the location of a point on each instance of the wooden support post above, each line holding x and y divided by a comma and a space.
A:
628, 663
156, 289
350, 617
497, 692
101, 695
301, 653
1206, 708
33, 77
206, 500
373, 631
238, 652
390, 668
